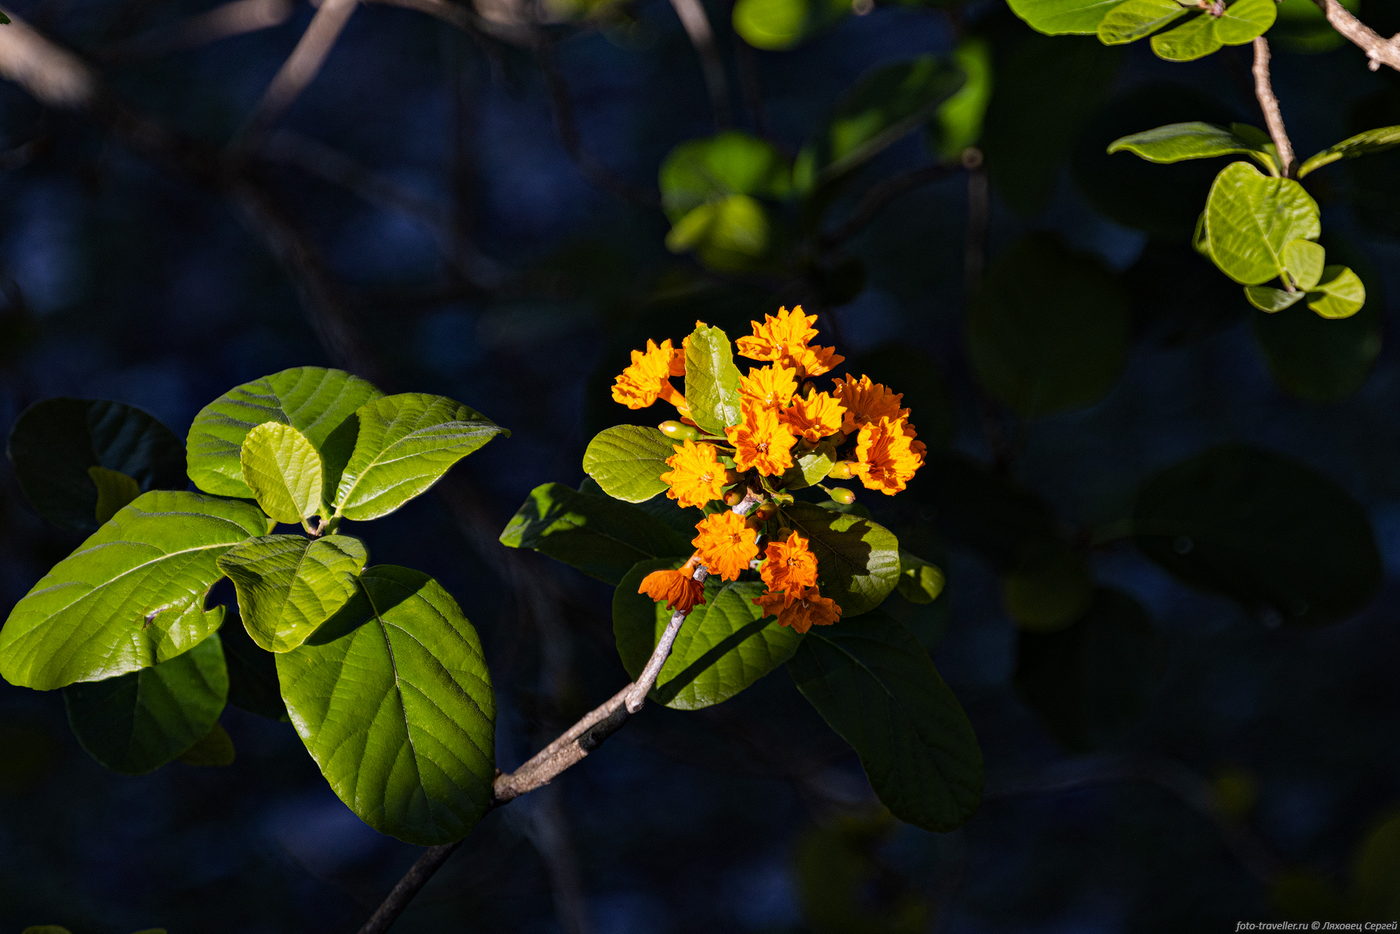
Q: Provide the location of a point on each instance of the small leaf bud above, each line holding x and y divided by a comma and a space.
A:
678, 431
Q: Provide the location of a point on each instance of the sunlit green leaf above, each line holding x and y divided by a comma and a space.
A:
1269, 299
141, 720
398, 713
405, 444
723, 646
1063, 17
1193, 39
876, 687
1133, 19
130, 596
732, 163
1177, 142
857, 559
959, 118
726, 235
317, 402
782, 24
920, 581
289, 585
1340, 294
627, 461
711, 380
283, 470
54, 443
1304, 261
1245, 20
1250, 218
1362, 144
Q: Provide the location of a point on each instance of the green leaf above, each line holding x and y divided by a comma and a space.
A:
316, 402
723, 647
55, 442
289, 585
596, 534
44, 928
1245, 20
876, 687
885, 105
706, 170
775, 25
130, 596
4, 20
1362, 144
1269, 299
1304, 260
398, 713
284, 472
1063, 17
1177, 142
404, 445
213, 750
1049, 331
1318, 359
959, 118
810, 466
1193, 39
114, 490
857, 559
1092, 682
1134, 19
1263, 529
627, 461
1048, 590
920, 581
1250, 218
728, 235
139, 721
711, 380
1340, 294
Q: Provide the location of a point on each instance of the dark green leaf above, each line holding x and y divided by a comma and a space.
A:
627, 461
1049, 331
404, 445
55, 442
316, 402
1317, 359
398, 713
139, 721
288, 586
1263, 529
130, 596
1269, 299
1049, 589
596, 534
711, 380
284, 472
722, 648
214, 750
114, 490
872, 681
857, 559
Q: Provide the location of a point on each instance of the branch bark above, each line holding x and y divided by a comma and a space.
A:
1268, 103
1379, 51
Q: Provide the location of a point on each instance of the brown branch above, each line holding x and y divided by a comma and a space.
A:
1268, 103
697, 27
1378, 50
235, 18
302, 66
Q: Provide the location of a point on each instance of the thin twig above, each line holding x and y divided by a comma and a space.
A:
407, 887
637, 696
879, 196
1268, 102
235, 18
697, 27
302, 66
1378, 50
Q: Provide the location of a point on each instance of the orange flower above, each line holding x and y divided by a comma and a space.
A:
696, 476
761, 440
648, 377
790, 565
785, 339
725, 544
888, 455
815, 417
769, 386
866, 402
801, 610
677, 589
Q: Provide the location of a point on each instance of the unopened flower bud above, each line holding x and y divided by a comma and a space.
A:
678, 431
765, 511
733, 498
842, 495
843, 470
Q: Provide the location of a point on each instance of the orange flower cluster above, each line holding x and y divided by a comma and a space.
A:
859, 425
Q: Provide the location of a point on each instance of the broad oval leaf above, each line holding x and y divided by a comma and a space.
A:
130, 596
284, 472
1187, 42
723, 646
920, 581
1177, 142
315, 401
55, 443
141, 720
1261, 528
728, 235
1250, 219
1134, 19
1063, 17
398, 713
404, 445
1245, 20
1304, 261
289, 585
213, 750
627, 461
781, 24
1340, 294
1049, 332
1371, 141
857, 559
875, 685
732, 163
596, 534
711, 380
